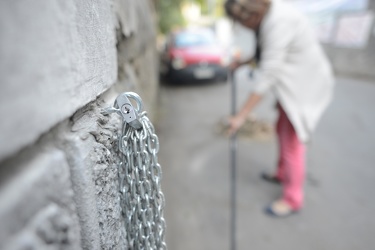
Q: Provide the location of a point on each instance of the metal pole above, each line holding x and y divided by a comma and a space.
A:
233, 147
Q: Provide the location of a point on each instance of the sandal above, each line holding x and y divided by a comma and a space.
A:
270, 178
280, 209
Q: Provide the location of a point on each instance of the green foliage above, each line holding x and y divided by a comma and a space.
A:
169, 14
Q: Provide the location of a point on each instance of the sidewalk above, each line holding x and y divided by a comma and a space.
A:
338, 214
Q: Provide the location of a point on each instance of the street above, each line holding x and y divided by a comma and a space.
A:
339, 204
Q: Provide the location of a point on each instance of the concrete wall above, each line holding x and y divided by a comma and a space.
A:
353, 62
61, 62
357, 62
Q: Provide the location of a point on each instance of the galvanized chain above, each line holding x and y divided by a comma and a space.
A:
142, 200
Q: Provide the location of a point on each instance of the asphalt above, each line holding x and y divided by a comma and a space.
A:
339, 188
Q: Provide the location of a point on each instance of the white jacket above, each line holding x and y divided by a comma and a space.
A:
294, 66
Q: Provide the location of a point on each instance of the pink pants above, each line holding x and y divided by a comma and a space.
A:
291, 165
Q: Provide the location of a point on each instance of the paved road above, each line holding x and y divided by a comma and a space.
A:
340, 204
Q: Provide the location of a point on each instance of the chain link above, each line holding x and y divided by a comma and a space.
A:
140, 174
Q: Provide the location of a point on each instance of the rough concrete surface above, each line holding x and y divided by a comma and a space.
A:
56, 56
33, 216
61, 63
93, 161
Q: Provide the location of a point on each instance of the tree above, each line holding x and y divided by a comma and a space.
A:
169, 15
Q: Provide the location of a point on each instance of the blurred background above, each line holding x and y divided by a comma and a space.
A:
63, 61
340, 172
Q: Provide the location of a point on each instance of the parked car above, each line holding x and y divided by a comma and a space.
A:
194, 54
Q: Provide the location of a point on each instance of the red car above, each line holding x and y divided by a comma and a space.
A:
194, 54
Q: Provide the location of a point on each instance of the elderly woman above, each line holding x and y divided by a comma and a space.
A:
292, 65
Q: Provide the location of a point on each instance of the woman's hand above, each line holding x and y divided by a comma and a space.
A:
234, 65
237, 63
235, 123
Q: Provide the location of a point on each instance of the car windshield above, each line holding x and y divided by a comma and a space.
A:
188, 39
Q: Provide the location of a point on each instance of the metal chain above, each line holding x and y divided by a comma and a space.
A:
142, 200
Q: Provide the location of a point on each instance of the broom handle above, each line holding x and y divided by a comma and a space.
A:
233, 147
